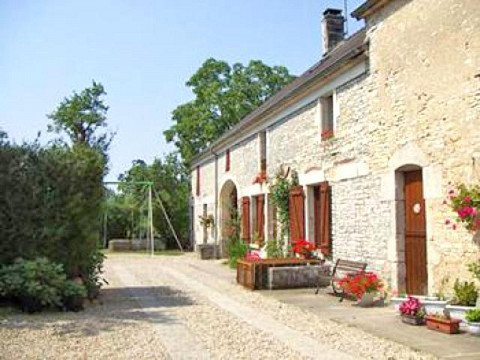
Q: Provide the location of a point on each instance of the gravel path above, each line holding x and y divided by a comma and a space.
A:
180, 308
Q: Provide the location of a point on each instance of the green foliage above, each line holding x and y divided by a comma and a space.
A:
473, 315
81, 115
474, 268
275, 248
51, 203
37, 284
93, 278
280, 191
237, 249
171, 185
224, 94
465, 293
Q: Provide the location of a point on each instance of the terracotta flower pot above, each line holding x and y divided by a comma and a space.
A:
447, 326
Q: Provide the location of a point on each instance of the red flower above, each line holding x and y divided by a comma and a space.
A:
303, 247
360, 283
447, 222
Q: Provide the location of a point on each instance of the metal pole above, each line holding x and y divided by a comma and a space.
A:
150, 219
168, 221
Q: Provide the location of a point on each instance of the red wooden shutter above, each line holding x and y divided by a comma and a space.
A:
260, 217
325, 238
227, 160
297, 219
246, 219
198, 181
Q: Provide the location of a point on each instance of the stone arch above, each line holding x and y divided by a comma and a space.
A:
228, 211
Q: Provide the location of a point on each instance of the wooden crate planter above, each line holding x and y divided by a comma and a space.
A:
253, 274
412, 320
447, 326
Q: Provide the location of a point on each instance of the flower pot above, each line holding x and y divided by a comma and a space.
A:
412, 320
366, 300
458, 312
446, 326
474, 328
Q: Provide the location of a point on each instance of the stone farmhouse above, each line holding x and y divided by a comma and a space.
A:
378, 131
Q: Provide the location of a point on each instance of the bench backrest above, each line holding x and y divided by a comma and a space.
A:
348, 267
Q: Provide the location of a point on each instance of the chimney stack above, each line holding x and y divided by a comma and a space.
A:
333, 32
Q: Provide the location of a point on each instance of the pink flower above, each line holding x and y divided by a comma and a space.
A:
447, 222
467, 199
451, 192
444, 202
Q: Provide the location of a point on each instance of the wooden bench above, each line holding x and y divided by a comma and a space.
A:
342, 268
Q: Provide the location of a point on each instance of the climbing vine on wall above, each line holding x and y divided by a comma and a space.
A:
280, 191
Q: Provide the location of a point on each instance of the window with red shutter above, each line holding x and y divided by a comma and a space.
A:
198, 181
296, 214
227, 160
246, 219
322, 214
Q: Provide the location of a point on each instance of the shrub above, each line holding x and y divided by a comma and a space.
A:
473, 315
93, 278
37, 284
465, 293
73, 295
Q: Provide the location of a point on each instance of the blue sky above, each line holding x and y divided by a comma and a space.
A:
143, 52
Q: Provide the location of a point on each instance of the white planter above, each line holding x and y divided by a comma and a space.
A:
366, 300
458, 312
474, 328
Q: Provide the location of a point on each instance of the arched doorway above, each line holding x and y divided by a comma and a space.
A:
411, 222
228, 213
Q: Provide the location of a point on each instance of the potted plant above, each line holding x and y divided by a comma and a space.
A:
473, 318
465, 299
363, 286
443, 323
303, 248
412, 312
206, 221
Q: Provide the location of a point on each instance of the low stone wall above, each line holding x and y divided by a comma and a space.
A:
286, 277
134, 244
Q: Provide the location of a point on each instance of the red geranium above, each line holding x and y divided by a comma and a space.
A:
303, 247
360, 283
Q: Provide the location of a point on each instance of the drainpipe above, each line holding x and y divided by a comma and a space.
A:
215, 232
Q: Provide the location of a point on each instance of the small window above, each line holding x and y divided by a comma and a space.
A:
227, 160
263, 151
198, 181
327, 117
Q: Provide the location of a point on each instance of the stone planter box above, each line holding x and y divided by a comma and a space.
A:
412, 320
458, 312
207, 251
287, 277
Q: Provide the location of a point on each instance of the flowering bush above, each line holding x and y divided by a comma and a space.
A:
412, 307
303, 247
466, 203
260, 178
360, 283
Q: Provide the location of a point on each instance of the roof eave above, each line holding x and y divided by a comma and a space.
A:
368, 8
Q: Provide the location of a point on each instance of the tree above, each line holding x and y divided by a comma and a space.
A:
224, 94
81, 115
169, 182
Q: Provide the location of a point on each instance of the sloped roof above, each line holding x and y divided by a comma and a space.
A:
344, 51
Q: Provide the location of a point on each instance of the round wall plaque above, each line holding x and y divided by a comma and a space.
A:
417, 208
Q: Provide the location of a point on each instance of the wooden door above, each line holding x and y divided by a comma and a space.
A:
260, 213
246, 219
296, 214
321, 213
415, 234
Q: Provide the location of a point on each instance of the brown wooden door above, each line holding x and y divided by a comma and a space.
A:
321, 213
415, 234
297, 219
246, 219
260, 201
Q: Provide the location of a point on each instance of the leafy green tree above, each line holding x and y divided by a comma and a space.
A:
81, 115
224, 94
169, 183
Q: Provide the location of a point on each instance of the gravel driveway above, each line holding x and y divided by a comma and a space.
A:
181, 308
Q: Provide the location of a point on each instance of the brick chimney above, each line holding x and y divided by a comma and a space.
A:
332, 28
